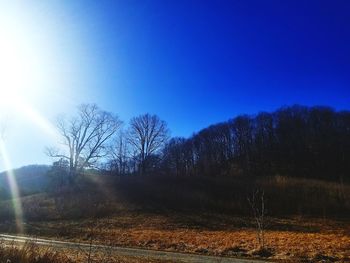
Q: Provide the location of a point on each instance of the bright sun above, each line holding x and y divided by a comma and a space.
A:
20, 76
18, 69
20, 79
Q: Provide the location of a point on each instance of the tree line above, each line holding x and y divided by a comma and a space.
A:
94, 138
298, 141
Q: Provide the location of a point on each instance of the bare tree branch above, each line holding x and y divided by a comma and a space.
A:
85, 136
147, 134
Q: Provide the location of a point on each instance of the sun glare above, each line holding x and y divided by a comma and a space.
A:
18, 68
21, 58
20, 75
17, 205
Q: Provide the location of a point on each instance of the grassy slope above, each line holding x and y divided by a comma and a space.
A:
30, 179
203, 216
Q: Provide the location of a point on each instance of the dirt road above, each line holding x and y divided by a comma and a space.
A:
122, 251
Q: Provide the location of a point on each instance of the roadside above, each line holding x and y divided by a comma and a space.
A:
122, 251
289, 239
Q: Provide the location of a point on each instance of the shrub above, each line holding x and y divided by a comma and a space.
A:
30, 253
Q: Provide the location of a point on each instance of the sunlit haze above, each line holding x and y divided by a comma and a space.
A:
174, 131
193, 64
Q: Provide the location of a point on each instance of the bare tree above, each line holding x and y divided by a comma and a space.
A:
85, 136
118, 155
147, 134
257, 204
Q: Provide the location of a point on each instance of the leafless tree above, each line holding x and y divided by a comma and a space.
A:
85, 136
257, 204
147, 134
119, 155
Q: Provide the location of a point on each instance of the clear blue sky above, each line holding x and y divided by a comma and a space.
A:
193, 63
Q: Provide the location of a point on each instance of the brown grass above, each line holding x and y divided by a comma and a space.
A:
287, 239
106, 195
309, 219
31, 253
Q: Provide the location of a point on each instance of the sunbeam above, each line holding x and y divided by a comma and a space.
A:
21, 73
21, 107
16, 202
21, 76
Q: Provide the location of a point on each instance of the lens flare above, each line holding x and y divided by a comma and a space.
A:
16, 202
20, 67
24, 109
20, 107
22, 74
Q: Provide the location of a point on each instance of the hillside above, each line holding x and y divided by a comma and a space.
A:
204, 215
30, 179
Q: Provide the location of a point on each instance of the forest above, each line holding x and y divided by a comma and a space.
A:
294, 141
174, 131
254, 186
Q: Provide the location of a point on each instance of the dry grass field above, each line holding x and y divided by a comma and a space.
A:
304, 222
293, 239
31, 253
